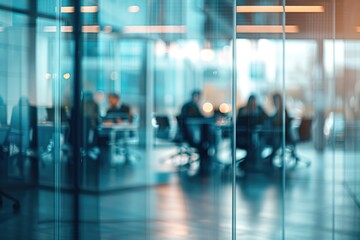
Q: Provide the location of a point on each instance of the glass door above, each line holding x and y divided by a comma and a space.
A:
208, 119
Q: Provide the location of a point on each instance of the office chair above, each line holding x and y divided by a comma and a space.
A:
126, 138
90, 148
3, 113
117, 138
249, 138
4, 168
20, 137
187, 156
16, 204
295, 133
162, 124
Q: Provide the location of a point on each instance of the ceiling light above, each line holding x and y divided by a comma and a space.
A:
84, 9
279, 9
225, 108
85, 29
67, 9
66, 28
208, 107
266, 29
133, 9
89, 9
154, 29
54, 29
91, 29
67, 76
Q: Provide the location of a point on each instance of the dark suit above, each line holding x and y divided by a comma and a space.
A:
196, 130
123, 112
3, 115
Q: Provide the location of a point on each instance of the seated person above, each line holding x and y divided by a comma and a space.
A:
117, 112
190, 112
276, 121
196, 130
91, 120
3, 112
248, 119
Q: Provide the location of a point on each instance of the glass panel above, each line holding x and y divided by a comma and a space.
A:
117, 120
259, 125
345, 129
16, 4
318, 73
15, 84
18, 121
192, 120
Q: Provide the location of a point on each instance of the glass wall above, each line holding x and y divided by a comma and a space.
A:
164, 119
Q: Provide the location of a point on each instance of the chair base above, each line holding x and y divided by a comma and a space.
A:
16, 204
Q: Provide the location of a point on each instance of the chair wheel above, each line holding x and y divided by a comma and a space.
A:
16, 206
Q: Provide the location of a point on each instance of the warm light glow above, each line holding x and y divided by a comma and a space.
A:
208, 107
357, 29
66, 28
175, 51
207, 55
154, 29
67, 9
108, 29
160, 48
266, 29
54, 29
133, 9
89, 9
224, 108
67, 76
48, 76
279, 9
86, 29
84, 9
192, 50
91, 29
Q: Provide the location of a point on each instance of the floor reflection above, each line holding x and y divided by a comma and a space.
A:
179, 206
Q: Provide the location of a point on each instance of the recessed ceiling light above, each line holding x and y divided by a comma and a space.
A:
279, 9
91, 29
84, 9
266, 29
66, 28
133, 9
154, 29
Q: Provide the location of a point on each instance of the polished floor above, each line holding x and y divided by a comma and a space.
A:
316, 204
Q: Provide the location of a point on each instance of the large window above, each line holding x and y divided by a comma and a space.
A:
212, 119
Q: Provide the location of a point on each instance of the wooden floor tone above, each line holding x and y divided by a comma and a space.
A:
314, 206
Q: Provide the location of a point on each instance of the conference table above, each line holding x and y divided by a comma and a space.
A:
120, 135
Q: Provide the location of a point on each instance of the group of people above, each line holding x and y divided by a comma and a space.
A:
255, 128
117, 111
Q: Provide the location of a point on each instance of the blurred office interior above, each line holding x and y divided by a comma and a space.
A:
98, 140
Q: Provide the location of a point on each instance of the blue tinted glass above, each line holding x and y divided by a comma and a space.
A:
22, 4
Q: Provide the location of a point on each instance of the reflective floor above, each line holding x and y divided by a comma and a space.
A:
183, 207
